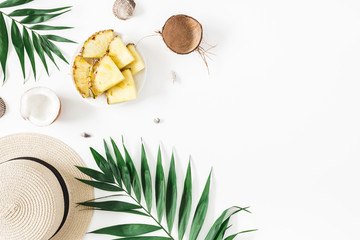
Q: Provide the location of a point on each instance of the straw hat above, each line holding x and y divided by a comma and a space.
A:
38, 190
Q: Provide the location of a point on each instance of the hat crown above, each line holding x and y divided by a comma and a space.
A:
31, 200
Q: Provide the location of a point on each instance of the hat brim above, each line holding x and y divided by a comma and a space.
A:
64, 159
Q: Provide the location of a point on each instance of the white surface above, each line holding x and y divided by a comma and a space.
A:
277, 118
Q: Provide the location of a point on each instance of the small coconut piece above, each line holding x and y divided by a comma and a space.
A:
182, 34
40, 105
2, 107
124, 9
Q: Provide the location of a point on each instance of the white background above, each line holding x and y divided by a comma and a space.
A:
277, 118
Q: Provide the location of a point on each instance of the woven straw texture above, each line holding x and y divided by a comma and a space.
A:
30, 195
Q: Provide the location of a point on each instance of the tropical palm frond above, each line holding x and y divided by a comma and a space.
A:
29, 40
118, 174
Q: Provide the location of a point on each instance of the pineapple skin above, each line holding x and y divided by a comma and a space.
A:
81, 75
104, 75
137, 65
119, 53
97, 44
124, 91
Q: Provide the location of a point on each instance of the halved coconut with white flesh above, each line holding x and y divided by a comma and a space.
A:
97, 44
41, 106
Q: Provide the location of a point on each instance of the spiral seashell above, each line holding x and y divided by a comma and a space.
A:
123, 9
2, 107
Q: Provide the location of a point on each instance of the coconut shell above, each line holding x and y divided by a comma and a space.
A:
182, 34
2, 107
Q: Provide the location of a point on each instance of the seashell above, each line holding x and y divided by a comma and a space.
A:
2, 107
123, 9
157, 120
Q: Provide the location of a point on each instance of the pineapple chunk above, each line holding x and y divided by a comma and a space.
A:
119, 53
138, 64
124, 91
97, 44
81, 73
104, 75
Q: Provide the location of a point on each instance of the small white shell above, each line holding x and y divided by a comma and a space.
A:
2, 107
157, 120
123, 9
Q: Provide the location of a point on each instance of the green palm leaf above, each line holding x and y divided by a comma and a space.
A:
166, 198
47, 27
18, 43
144, 238
146, 178
200, 212
4, 44
101, 185
114, 169
185, 204
30, 11
135, 181
29, 50
43, 44
40, 51
125, 175
231, 237
95, 174
39, 18
159, 187
127, 230
13, 3
171, 195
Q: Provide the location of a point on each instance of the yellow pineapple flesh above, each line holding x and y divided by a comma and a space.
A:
119, 53
137, 65
104, 75
124, 91
81, 73
97, 44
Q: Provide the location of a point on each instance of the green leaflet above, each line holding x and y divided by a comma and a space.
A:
47, 51
200, 212
135, 181
47, 27
55, 50
171, 194
13, 3
185, 204
144, 238
114, 169
159, 187
125, 175
116, 206
31, 11
216, 227
57, 38
221, 233
231, 237
4, 44
99, 176
29, 50
17, 41
39, 18
146, 178
128, 230
40, 51
101, 185
102, 164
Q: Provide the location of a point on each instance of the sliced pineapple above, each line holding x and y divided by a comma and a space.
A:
124, 91
119, 53
137, 65
104, 75
81, 73
97, 44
